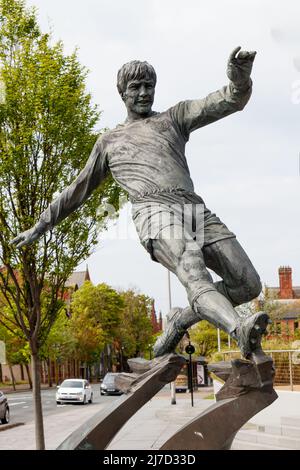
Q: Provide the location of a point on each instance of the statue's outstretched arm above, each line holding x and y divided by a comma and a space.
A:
70, 199
193, 114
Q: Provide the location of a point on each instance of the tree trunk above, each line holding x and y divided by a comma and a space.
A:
12, 377
22, 372
37, 402
1, 378
49, 372
28, 375
43, 372
56, 372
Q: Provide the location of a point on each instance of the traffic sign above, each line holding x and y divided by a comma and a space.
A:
190, 349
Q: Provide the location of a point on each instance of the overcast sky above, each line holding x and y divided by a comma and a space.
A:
246, 167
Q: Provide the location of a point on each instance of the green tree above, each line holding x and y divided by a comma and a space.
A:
17, 350
204, 338
60, 343
96, 307
88, 337
101, 302
125, 328
47, 126
135, 332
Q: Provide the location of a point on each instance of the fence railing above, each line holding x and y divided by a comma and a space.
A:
286, 362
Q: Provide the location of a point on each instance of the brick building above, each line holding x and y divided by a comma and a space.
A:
287, 298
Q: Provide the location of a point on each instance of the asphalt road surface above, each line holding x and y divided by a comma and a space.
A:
21, 404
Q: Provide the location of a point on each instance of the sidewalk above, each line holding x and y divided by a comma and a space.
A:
7, 389
149, 428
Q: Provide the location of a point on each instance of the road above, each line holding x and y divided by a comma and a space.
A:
21, 404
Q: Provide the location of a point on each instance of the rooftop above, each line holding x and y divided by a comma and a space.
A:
78, 278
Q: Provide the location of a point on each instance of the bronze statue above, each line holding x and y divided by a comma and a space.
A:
146, 156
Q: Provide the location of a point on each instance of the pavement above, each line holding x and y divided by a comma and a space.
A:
7, 389
158, 420
155, 422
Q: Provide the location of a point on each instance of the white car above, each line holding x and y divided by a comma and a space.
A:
74, 391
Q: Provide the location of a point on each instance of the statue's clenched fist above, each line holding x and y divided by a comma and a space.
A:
239, 66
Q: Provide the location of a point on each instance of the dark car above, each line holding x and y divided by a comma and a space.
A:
4, 409
108, 386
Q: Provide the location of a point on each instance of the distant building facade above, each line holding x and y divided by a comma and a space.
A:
287, 296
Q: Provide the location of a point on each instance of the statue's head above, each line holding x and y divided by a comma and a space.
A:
136, 85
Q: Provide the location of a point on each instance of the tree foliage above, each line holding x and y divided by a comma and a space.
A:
100, 304
60, 343
46, 134
123, 317
47, 123
204, 338
135, 332
17, 348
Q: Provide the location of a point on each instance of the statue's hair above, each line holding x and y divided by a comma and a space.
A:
134, 70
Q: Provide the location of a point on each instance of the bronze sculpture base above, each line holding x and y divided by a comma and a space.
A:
248, 389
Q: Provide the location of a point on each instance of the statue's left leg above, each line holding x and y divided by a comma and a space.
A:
240, 282
212, 301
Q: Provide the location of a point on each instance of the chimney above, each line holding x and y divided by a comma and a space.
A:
285, 282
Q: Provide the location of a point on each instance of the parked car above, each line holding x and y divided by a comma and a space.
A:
74, 391
4, 409
108, 386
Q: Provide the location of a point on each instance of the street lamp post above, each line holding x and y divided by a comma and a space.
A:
190, 350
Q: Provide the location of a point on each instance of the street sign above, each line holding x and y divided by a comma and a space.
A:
190, 349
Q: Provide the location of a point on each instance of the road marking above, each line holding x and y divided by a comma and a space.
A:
25, 406
20, 403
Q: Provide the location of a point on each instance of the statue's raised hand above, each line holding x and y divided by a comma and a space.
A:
239, 66
26, 238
